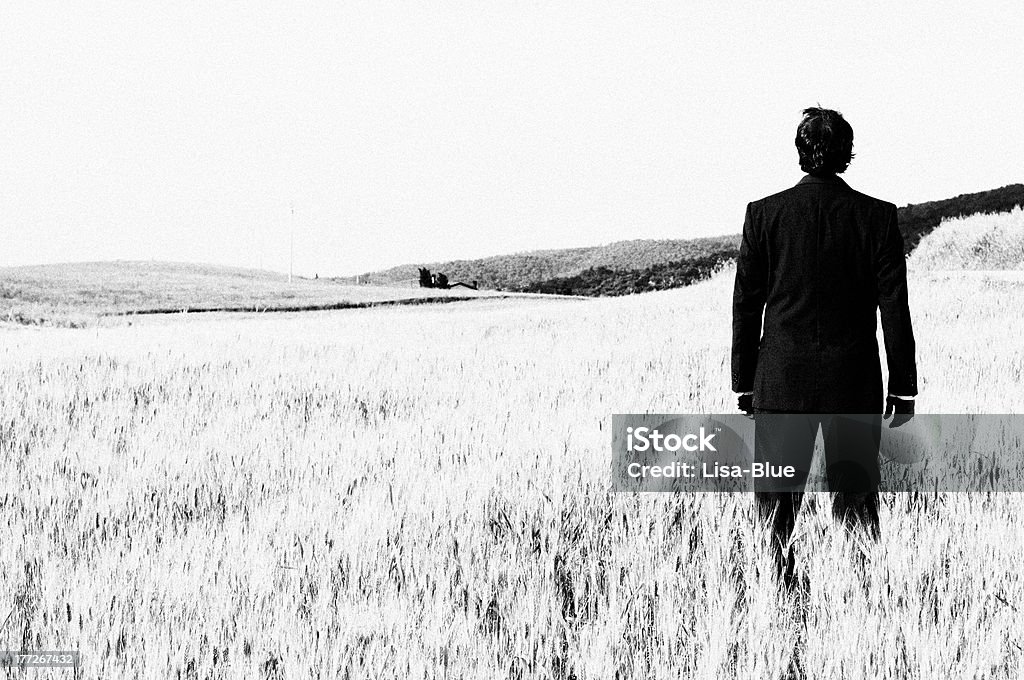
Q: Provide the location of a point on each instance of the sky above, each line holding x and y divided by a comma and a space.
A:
345, 137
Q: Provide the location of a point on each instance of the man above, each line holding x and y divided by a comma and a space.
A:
819, 260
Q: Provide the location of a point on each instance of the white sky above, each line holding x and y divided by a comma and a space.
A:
408, 133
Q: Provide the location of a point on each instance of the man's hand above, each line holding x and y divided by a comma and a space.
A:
745, 403
899, 410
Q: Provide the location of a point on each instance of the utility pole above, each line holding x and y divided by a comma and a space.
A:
257, 246
291, 246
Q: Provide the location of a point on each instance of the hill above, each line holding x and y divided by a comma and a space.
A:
602, 281
917, 221
76, 294
639, 265
523, 271
977, 242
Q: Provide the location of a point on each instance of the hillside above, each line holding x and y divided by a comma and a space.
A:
75, 294
523, 271
603, 281
917, 221
639, 265
977, 242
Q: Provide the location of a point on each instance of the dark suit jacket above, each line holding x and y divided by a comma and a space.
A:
818, 260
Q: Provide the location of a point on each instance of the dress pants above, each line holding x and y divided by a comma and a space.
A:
851, 470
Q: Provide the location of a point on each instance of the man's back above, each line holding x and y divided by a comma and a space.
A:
815, 262
818, 259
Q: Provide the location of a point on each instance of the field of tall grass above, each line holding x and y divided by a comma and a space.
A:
423, 492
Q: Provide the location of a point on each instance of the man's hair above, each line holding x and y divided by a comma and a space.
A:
825, 142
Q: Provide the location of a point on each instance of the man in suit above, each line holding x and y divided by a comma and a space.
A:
818, 261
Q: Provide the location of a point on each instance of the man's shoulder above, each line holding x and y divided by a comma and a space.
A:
871, 200
800, 192
773, 198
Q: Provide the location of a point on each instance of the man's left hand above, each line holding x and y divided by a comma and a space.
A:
899, 410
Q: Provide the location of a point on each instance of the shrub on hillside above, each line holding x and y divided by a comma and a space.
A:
603, 281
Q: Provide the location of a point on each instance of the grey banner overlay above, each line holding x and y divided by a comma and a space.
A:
716, 452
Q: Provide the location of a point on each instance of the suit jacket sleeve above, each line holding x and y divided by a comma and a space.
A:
749, 294
894, 310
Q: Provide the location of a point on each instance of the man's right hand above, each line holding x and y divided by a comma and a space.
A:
899, 410
745, 403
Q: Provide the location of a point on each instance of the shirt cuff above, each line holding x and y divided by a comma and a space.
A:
896, 396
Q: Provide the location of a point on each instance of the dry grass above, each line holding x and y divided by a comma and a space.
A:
977, 242
326, 495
